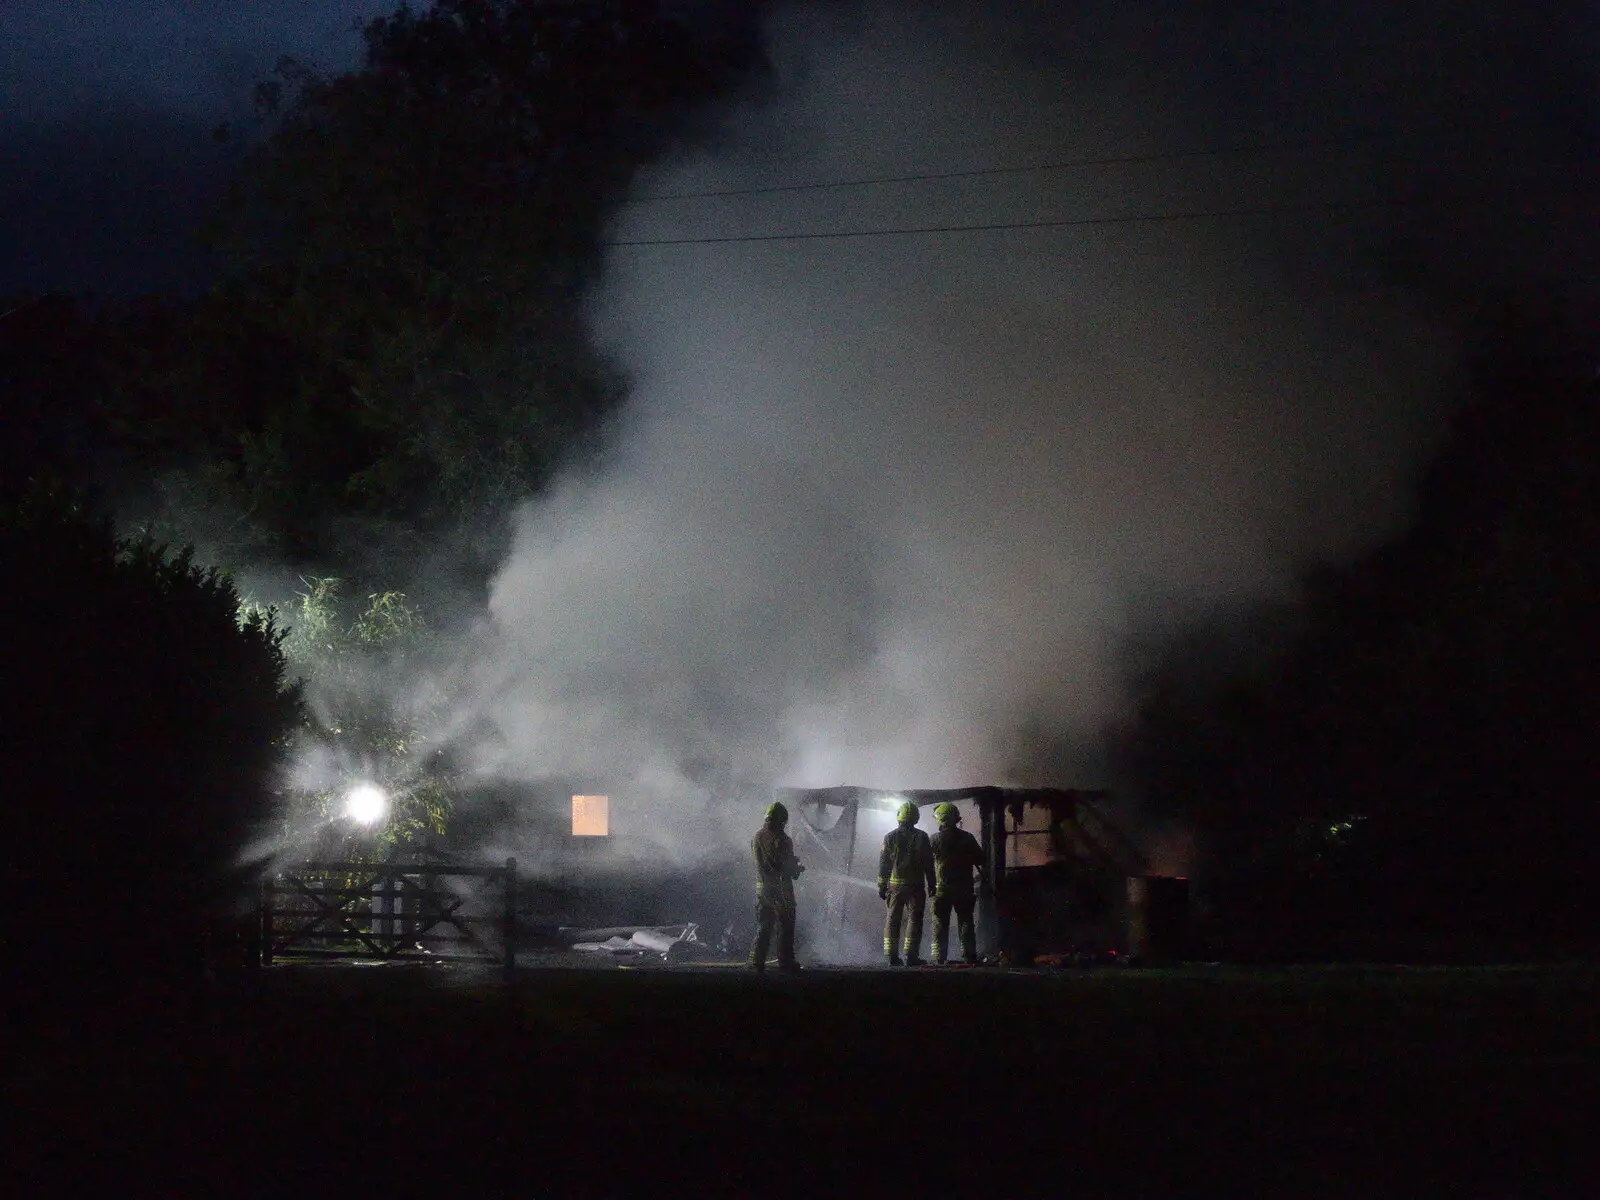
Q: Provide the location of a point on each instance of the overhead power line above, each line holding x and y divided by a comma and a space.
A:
986, 227
1263, 210
1062, 165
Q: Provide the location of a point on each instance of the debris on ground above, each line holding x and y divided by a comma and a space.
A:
669, 943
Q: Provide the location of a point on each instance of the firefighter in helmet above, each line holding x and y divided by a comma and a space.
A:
956, 854
776, 870
905, 876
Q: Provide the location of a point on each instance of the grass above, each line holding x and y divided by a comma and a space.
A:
1194, 1081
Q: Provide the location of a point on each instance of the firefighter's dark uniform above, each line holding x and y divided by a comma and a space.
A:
956, 854
905, 876
776, 870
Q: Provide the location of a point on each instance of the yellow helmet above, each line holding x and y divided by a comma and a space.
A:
947, 814
907, 814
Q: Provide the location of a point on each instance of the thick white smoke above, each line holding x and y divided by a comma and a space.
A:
879, 507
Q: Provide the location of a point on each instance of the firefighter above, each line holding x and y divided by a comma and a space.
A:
776, 870
905, 876
956, 854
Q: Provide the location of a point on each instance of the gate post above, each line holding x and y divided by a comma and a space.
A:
264, 908
510, 918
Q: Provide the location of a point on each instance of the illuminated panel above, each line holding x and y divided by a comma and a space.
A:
591, 816
1030, 842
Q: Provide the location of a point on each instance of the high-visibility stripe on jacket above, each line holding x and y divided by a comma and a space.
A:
956, 855
907, 859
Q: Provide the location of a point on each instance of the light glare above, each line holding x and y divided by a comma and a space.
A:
591, 816
366, 804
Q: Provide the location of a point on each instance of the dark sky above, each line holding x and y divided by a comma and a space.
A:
106, 112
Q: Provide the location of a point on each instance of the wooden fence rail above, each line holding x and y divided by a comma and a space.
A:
386, 910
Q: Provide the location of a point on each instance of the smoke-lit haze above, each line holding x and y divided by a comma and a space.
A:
887, 510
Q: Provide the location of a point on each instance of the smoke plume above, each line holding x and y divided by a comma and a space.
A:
889, 509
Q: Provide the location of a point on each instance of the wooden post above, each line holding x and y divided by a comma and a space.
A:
988, 934
511, 918
247, 929
994, 929
430, 882
854, 812
268, 894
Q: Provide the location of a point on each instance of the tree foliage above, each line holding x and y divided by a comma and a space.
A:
396, 350
51, 372
368, 722
145, 722
401, 334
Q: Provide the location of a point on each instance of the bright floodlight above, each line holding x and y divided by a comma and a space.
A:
366, 804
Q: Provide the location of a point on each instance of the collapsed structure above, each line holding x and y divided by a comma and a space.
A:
1061, 880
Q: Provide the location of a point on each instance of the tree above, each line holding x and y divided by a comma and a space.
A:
145, 723
401, 335
363, 725
53, 372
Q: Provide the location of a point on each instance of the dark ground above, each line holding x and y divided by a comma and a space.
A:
345, 1080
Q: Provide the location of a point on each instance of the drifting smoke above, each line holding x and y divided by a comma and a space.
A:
882, 506
890, 509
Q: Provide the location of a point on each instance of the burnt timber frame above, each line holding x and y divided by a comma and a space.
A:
1075, 814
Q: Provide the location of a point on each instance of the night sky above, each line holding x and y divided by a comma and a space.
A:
107, 111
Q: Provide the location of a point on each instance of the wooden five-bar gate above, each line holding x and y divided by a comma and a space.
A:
390, 910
